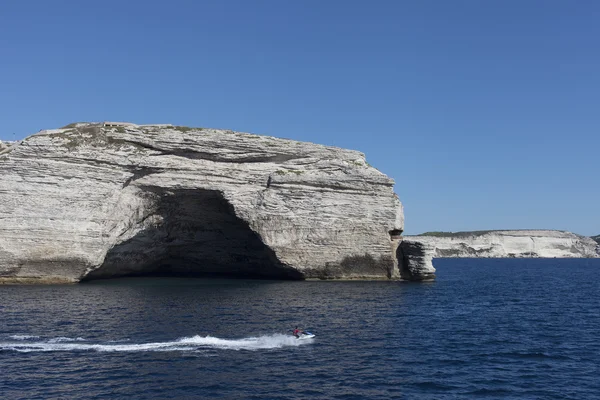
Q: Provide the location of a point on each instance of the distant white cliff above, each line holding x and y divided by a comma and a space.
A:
508, 244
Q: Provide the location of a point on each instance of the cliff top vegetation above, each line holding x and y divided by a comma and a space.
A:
478, 233
454, 234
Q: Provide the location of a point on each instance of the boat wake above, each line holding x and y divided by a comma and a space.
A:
24, 343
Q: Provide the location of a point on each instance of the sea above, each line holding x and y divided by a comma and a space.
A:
485, 329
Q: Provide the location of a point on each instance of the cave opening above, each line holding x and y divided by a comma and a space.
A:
197, 234
395, 234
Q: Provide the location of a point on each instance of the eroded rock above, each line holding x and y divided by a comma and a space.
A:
415, 260
93, 201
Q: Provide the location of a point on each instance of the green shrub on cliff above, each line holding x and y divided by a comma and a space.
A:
72, 125
436, 234
596, 238
186, 128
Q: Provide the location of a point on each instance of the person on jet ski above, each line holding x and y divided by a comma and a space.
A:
297, 332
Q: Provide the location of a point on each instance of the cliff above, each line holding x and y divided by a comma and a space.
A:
517, 243
597, 240
103, 200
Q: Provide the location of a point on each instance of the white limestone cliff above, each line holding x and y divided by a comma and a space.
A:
103, 200
597, 240
516, 243
415, 260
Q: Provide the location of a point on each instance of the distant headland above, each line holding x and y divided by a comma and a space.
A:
511, 243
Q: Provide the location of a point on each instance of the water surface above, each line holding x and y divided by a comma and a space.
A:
486, 328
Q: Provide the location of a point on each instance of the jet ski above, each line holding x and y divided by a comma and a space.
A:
305, 335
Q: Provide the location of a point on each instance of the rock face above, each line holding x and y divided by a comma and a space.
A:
104, 200
519, 243
414, 259
597, 240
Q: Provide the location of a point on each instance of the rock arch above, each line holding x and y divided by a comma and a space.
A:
194, 232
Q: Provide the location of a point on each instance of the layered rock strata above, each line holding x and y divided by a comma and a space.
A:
518, 243
103, 200
415, 260
4, 146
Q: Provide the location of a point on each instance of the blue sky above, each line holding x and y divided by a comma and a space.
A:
486, 113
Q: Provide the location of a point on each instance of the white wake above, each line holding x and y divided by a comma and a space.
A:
25, 344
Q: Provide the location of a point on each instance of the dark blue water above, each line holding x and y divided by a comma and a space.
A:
522, 329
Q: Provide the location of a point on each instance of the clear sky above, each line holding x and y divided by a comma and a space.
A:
486, 113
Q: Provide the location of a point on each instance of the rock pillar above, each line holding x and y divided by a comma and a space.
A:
414, 259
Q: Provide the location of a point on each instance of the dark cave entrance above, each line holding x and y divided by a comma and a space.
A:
198, 235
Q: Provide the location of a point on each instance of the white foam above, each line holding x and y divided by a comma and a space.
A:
65, 339
194, 343
23, 337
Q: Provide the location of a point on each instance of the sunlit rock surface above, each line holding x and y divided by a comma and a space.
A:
105, 200
518, 243
4, 146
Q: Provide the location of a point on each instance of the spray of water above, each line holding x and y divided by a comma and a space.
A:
26, 343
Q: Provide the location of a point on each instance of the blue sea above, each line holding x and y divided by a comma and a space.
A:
486, 328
